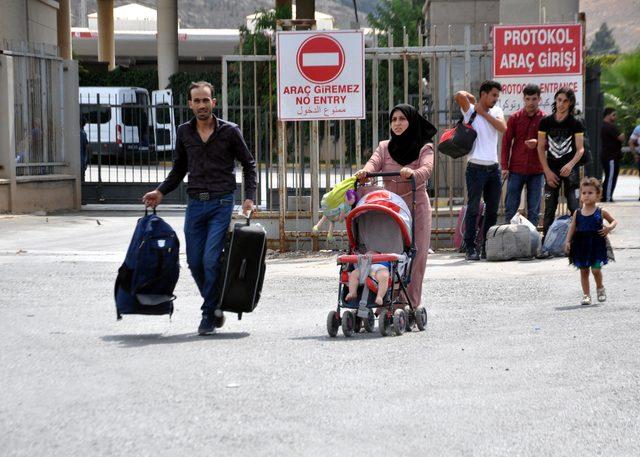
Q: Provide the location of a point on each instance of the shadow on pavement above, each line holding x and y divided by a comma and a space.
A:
340, 337
129, 341
569, 308
461, 262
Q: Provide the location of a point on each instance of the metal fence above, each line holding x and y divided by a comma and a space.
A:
306, 158
296, 161
39, 148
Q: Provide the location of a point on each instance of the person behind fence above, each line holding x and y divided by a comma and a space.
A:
207, 148
612, 141
410, 153
84, 148
586, 243
560, 147
634, 146
379, 272
483, 175
519, 158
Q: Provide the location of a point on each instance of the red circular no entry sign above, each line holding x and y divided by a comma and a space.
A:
320, 59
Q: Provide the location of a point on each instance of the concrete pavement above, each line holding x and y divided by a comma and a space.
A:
510, 363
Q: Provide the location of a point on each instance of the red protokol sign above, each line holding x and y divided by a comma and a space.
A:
320, 59
537, 50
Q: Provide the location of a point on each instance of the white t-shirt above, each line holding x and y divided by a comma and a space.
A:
485, 148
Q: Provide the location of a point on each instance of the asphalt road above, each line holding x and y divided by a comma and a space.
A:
510, 364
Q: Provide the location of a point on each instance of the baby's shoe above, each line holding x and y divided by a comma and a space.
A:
586, 300
602, 294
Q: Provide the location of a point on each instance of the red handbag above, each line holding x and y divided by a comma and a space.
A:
458, 141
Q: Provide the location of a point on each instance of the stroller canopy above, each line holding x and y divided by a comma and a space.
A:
381, 221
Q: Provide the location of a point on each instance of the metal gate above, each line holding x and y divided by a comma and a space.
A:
298, 161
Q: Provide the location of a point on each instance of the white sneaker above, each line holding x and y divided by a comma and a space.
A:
586, 300
602, 294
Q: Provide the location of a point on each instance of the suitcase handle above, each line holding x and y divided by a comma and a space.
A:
243, 270
247, 218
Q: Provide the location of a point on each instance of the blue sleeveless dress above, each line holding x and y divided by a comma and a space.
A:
588, 248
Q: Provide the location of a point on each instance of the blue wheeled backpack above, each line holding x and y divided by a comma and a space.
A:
150, 270
556, 236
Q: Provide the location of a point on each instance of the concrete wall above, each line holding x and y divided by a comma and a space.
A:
447, 19
30, 20
42, 21
7, 140
5, 195
13, 21
44, 193
72, 134
534, 12
26, 23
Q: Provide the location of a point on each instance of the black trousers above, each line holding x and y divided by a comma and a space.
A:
611, 169
571, 185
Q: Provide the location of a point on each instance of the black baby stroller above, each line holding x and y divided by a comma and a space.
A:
380, 229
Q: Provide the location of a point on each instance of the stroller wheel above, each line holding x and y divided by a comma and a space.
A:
421, 317
383, 323
348, 323
411, 318
358, 325
333, 323
399, 322
369, 322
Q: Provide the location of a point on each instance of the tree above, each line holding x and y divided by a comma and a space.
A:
603, 42
621, 86
397, 17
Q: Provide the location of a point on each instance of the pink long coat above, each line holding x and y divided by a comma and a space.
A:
381, 161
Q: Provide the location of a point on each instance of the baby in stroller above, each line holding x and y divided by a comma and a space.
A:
378, 271
374, 275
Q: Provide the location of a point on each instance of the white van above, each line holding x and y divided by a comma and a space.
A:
117, 118
163, 120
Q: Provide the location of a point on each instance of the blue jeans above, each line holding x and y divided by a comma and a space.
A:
205, 227
483, 181
534, 185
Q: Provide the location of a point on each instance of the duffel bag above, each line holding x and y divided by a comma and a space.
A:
458, 141
508, 242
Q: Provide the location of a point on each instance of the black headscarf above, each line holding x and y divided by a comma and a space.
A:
405, 148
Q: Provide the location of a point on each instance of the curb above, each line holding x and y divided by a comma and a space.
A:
629, 171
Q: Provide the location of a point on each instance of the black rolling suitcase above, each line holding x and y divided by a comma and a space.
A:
243, 268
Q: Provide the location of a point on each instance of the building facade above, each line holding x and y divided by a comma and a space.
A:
39, 115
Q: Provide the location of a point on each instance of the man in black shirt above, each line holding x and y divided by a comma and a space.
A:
612, 141
207, 148
560, 147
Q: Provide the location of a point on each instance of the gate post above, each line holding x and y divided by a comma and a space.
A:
282, 184
8, 186
315, 171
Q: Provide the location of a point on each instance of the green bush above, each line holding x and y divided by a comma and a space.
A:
604, 60
120, 77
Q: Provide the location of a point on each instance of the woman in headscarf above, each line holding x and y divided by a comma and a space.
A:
409, 152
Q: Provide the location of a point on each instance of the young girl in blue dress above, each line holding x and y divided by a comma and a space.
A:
586, 243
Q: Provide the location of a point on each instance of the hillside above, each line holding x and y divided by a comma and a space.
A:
623, 16
231, 14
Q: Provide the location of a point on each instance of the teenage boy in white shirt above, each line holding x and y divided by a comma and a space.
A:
483, 173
